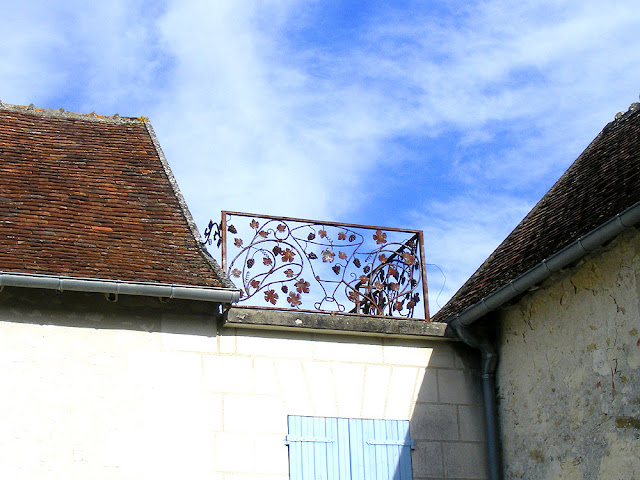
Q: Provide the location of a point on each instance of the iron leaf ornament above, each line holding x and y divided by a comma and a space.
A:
322, 266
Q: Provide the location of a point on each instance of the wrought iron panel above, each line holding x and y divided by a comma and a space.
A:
292, 263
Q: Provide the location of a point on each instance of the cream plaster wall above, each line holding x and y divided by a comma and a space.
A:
112, 391
569, 371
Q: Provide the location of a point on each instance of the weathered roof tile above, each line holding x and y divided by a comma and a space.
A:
602, 182
92, 196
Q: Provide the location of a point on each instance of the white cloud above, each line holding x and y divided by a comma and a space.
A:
251, 131
28, 40
255, 118
460, 233
506, 62
81, 56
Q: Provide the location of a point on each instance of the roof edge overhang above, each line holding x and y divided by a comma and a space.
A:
564, 257
222, 275
92, 285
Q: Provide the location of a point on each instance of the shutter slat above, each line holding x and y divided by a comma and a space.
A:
308, 458
356, 450
344, 457
295, 450
320, 448
371, 461
333, 465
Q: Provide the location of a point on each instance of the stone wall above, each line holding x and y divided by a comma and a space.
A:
569, 371
139, 389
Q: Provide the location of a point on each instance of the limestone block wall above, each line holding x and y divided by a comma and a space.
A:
143, 390
569, 371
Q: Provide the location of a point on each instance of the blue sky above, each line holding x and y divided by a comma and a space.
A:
449, 117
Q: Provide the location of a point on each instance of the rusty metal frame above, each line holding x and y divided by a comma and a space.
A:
304, 223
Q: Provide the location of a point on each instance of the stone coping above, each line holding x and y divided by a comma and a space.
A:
272, 319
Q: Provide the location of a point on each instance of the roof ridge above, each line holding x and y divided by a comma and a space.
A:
62, 113
632, 108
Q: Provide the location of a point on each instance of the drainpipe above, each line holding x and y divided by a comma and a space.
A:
462, 322
115, 287
474, 338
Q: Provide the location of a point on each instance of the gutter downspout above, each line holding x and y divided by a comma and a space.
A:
475, 339
461, 322
76, 284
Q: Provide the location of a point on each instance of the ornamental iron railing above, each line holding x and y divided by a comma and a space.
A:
292, 263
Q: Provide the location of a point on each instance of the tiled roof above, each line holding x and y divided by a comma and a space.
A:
92, 197
602, 182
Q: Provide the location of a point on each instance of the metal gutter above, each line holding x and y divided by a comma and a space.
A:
116, 287
462, 323
572, 252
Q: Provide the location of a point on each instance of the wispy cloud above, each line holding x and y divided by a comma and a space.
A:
450, 118
26, 69
459, 234
83, 56
254, 131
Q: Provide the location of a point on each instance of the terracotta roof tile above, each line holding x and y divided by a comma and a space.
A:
602, 182
91, 196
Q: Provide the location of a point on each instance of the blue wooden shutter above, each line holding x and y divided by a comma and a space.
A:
313, 448
380, 449
387, 450
348, 449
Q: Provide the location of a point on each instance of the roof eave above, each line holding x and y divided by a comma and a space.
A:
94, 285
567, 255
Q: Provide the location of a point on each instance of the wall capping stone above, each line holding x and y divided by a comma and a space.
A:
388, 327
